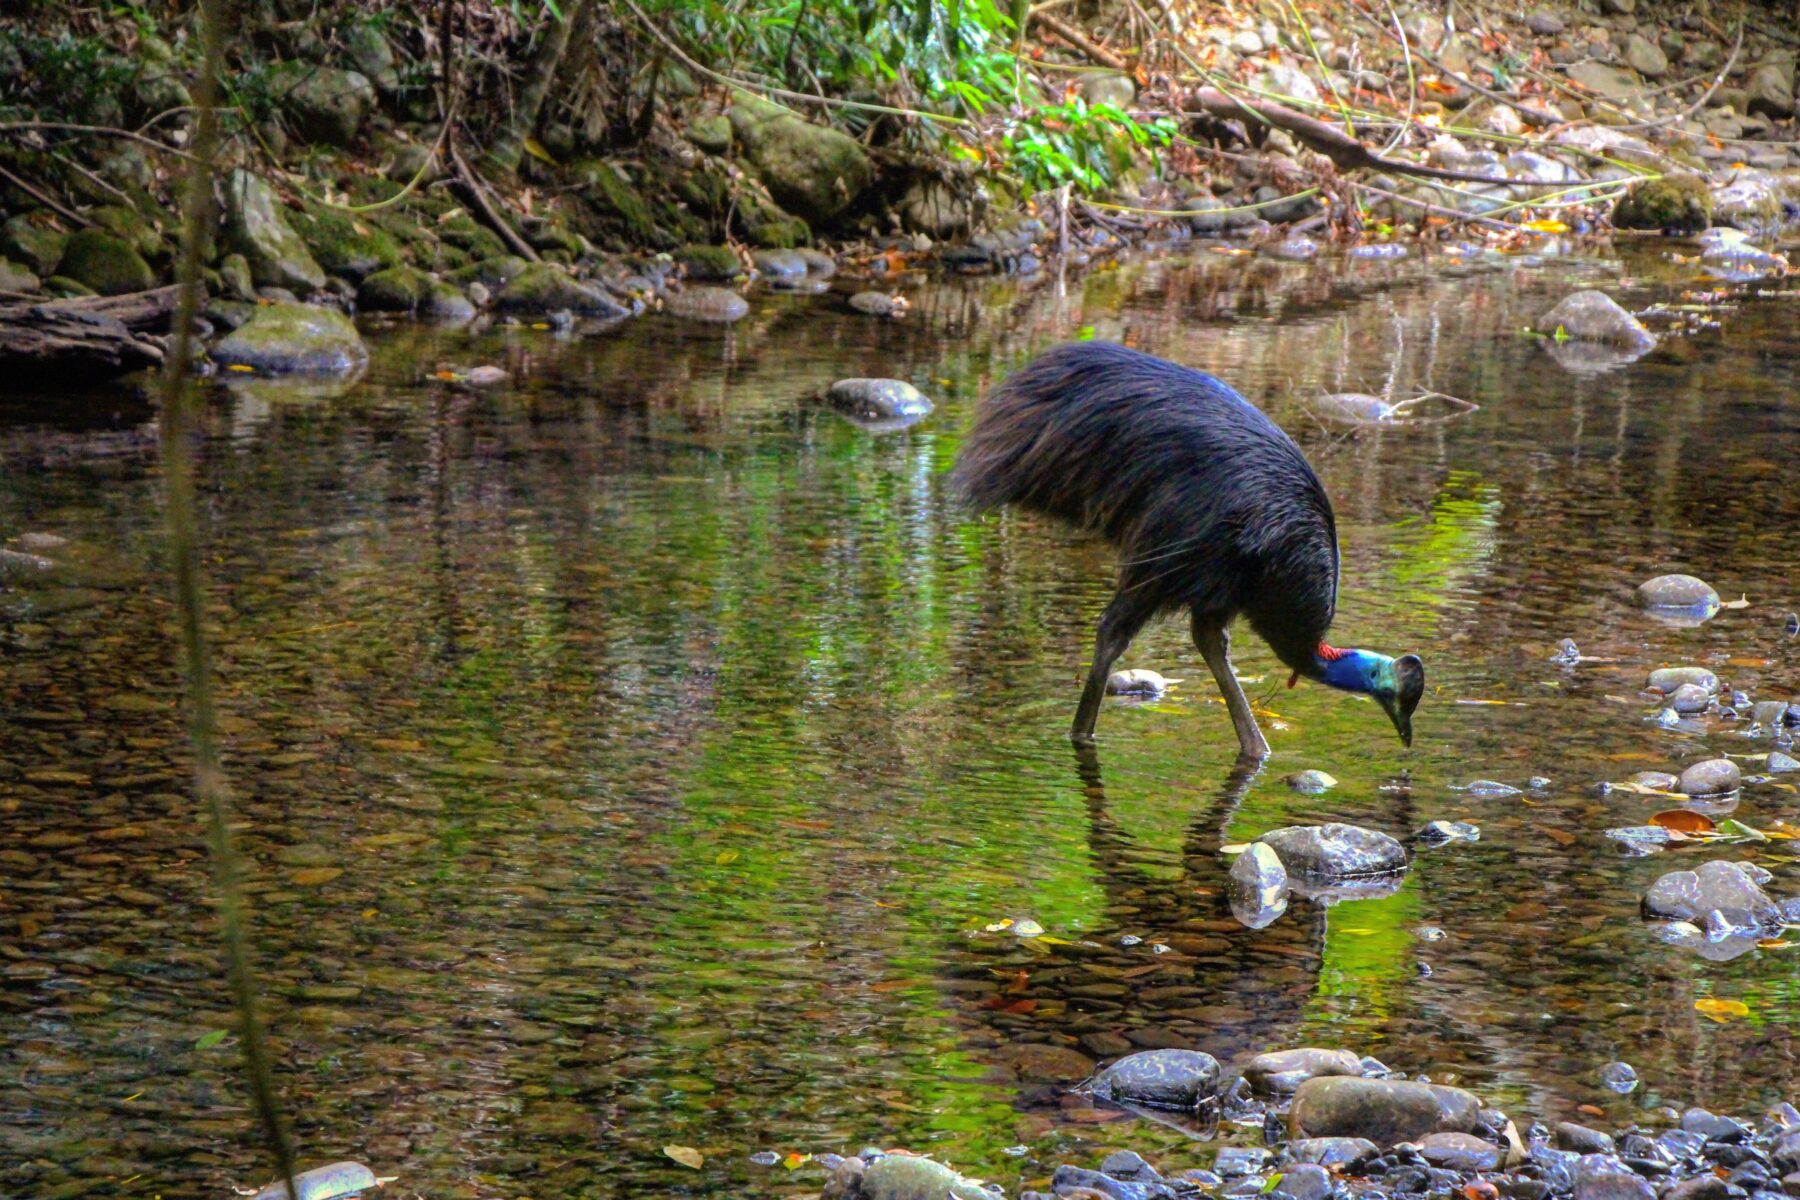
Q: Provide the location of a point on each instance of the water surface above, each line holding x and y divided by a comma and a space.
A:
637, 756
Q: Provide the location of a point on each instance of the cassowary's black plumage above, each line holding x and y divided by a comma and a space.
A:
1212, 507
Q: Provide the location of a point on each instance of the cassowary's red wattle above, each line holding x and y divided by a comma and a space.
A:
1213, 508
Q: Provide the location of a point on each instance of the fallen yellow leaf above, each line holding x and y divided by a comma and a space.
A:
1721, 1010
687, 1156
240, 367
726, 857
1547, 225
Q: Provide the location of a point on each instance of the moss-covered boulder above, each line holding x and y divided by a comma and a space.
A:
106, 263
410, 290
15, 278
1673, 204
285, 339
613, 209
493, 273
256, 226
812, 171
345, 245
471, 237
325, 104
63, 288
712, 263
33, 240
545, 287
371, 54
130, 225
712, 133
234, 278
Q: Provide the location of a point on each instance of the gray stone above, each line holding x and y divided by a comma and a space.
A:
1645, 57
1459, 1152
1720, 887
1749, 201
716, 304
818, 263
878, 399
811, 171
1614, 83
1346, 1152
1304, 1181
1667, 679
281, 339
410, 290
936, 208
1779, 762
1592, 316
712, 133
1712, 777
256, 228
1257, 886
1138, 682
1677, 591
1179, 1079
1246, 42
1689, 699
1543, 22
1385, 1111
908, 1177
1286, 81
878, 304
1281, 1072
1603, 1177
1335, 850
369, 52
324, 1183
1771, 91
545, 287
778, 264
1310, 782
1579, 1139
15, 278
327, 104
234, 273
1108, 87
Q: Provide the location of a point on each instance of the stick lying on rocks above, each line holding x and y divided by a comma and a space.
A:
1342, 149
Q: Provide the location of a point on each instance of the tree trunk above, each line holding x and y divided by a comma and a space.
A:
540, 73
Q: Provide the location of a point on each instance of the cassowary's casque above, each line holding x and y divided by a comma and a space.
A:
1212, 507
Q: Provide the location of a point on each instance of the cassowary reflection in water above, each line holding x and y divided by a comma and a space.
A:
1212, 508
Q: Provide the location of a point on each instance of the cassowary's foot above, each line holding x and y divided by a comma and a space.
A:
1215, 647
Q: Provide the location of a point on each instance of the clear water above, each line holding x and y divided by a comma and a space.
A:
674, 740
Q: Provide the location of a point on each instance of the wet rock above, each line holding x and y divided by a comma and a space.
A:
492, 273
410, 290
1038, 1062
846, 1180
878, 304
1710, 777
1579, 1139
1349, 1153
323, 1183
721, 305
281, 339
1459, 1152
908, 1177
1304, 1181
1437, 833
256, 228
1603, 1177
1281, 1072
895, 399
817, 262
1748, 201
1335, 850
1701, 1187
1257, 886
547, 288
1724, 888
1310, 783
486, 376
1592, 316
778, 264
1779, 762
1668, 679
1293, 249
1384, 1111
1619, 1077
1070, 1180
104, 263
1689, 699
812, 171
1178, 1079
1770, 714
1678, 591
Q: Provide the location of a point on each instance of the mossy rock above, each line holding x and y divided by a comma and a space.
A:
767, 227
551, 237
257, 226
32, 240
344, 245
494, 273
410, 290
465, 233
544, 287
614, 210
1672, 204
709, 262
234, 278
15, 278
64, 288
129, 225
108, 264
326, 104
711, 133
281, 339
813, 171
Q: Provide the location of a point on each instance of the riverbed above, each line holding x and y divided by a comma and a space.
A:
638, 755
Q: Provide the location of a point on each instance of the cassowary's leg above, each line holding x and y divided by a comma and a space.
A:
1215, 647
1118, 625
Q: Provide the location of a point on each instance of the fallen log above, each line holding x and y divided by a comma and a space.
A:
85, 340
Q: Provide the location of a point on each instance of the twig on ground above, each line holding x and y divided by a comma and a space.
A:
1077, 39
44, 198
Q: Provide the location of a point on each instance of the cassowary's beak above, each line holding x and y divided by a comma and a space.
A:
1402, 693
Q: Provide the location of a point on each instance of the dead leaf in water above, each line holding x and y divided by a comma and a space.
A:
687, 1156
1742, 601
1683, 820
1721, 1010
725, 857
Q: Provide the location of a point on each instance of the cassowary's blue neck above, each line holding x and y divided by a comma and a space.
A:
1351, 670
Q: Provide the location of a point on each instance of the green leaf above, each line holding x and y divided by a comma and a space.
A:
1274, 1181
1561, 334
207, 1041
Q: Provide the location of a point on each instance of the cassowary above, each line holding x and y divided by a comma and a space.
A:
1212, 508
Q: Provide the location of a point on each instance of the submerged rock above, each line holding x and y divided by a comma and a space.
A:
721, 305
1281, 1072
1710, 777
1335, 850
894, 399
908, 1177
323, 1183
879, 304
1593, 316
1180, 1079
1311, 782
282, 339
1668, 679
1385, 1111
1724, 888
1689, 699
778, 264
